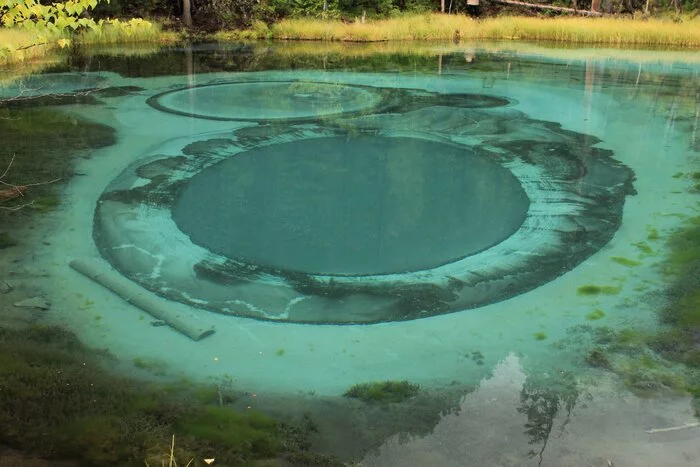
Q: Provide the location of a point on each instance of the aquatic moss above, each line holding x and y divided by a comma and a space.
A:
383, 391
477, 357
684, 247
35, 161
235, 433
685, 311
644, 247
45, 203
625, 261
595, 315
639, 363
152, 366
652, 234
598, 358
591, 290
647, 374
6, 240
58, 402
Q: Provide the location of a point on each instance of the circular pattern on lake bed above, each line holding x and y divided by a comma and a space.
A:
266, 100
352, 206
576, 193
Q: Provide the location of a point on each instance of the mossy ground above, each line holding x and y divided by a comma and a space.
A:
58, 402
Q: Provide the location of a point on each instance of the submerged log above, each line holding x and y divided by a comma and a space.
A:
134, 294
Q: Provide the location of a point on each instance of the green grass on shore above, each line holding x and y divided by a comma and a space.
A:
612, 31
21, 46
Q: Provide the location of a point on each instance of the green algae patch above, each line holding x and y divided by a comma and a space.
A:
652, 234
625, 261
593, 290
540, 336
383, 391
595, 315
684, 248
644, 247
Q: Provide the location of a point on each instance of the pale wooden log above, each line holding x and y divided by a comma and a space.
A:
673, 428
139, 297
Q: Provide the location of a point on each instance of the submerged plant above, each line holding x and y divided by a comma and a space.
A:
58, 402
598, 289
383, 391
6, 240
595, 315
625, 261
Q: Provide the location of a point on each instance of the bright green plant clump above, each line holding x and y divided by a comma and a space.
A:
595, 315
625, 261
383, 391
598, 290
540, 336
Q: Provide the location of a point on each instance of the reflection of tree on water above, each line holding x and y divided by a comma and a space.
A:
542, 404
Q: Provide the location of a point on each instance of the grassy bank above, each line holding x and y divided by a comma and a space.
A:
613, 31
21, 46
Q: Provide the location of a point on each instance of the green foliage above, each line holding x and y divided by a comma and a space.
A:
55, 22
383, 391
376, 8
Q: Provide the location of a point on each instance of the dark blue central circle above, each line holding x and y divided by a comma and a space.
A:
352, 205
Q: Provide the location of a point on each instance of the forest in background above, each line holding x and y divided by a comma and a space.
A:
210, 15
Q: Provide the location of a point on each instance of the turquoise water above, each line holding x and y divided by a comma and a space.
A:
498, 226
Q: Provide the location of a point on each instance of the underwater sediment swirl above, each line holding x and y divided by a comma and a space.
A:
429, 204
